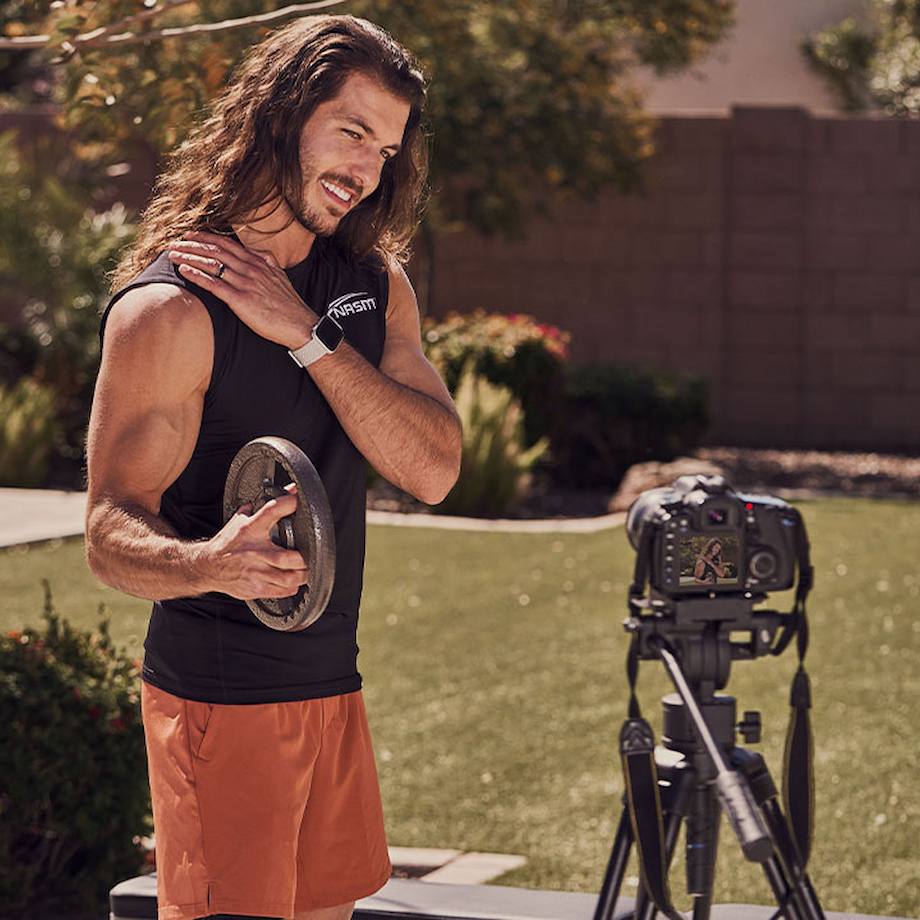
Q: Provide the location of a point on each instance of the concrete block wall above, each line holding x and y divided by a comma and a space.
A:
775, 252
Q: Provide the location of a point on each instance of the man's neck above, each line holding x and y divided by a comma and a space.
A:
273, 229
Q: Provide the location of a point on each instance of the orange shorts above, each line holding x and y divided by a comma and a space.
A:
271, 809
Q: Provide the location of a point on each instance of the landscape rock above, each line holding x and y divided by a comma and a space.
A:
653, 475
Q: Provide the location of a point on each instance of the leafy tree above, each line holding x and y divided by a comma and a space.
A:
873, 67
528, 97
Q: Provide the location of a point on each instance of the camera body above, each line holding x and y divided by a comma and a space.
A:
707, 539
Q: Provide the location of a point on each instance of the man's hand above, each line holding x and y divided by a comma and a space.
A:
242, 561
252, 284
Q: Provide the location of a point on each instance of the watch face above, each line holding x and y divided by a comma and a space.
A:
329, 332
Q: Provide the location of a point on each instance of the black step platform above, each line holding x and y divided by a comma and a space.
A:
407, 899
410, 899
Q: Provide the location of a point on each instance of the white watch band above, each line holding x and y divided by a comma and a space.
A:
316, 348
312, 351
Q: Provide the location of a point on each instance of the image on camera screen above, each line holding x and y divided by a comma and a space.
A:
709, 560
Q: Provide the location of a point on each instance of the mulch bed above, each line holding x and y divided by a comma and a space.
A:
869, 475
786, 473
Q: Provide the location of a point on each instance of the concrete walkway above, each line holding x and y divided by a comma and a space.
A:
36, 515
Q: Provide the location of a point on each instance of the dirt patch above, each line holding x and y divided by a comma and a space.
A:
869, 475
785, 473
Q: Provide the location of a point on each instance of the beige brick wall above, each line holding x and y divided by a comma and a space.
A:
775, 252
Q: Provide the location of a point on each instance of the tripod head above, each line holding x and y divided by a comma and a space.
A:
706, 634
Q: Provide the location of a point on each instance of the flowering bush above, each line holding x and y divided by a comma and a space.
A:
513, 351
73, 779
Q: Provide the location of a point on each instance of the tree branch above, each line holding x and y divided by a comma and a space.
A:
116, 28
108, 37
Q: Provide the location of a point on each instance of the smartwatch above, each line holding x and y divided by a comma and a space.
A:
327, 336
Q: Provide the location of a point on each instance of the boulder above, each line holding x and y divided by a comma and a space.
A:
654, 474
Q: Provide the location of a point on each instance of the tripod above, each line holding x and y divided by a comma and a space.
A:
701, 771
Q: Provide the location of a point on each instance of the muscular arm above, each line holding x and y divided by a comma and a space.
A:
156, 364
404, 421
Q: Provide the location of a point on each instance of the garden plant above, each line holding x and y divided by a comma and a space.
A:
74, 800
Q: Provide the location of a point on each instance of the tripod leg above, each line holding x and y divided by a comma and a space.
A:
804, 898
782, 890
616, 867
702, 845
785, 873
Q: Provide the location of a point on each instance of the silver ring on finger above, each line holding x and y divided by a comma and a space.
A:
221, 270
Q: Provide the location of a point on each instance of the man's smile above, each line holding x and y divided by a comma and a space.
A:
337, 192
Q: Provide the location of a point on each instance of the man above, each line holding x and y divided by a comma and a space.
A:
294, 201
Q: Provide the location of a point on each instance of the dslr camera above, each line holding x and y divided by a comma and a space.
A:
699, 536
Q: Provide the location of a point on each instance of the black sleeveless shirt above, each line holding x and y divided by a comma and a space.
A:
709, 573
210, 647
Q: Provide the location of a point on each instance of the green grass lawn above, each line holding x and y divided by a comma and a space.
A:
493, 668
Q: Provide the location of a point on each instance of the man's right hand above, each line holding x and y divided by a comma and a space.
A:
241, 560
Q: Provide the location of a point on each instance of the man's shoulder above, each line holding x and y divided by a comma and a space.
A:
158, 308
400, 291
159, 295
162, 332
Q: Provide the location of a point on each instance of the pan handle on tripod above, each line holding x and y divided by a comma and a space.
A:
738, 803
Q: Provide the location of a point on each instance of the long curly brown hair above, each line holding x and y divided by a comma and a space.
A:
248, 150
710, 546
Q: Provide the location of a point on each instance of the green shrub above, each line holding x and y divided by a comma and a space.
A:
496, 464
54, 252
511, 351
615, 416
27, 433
73, 777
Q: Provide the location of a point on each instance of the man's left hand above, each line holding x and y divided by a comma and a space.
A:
252, 284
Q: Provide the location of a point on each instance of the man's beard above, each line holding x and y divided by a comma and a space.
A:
310, 219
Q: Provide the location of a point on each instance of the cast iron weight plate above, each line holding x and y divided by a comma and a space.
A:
309, 530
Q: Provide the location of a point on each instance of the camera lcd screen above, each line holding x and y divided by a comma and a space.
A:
710, 559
